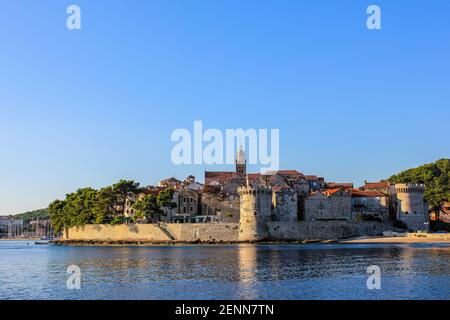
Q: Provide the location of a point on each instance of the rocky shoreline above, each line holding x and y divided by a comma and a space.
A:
362, 240
174, 242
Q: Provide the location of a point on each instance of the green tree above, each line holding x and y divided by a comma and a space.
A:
104, 208
123, 190
75, 210
58, 215
147, 206
79, 206
165, 199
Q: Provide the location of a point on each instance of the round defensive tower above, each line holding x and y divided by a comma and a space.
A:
255, 212
412, 208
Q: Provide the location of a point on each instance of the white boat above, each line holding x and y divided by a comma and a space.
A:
44, 240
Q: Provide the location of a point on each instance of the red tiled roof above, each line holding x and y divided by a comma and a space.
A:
283, 173
289, 172
279, 188
344, 185
367, 193
252, 176
330, 192
376, 185
219, 174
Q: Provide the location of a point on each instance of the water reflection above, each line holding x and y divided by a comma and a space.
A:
247, 267
318, 271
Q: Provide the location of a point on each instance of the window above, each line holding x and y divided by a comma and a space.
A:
191, 209
184, 209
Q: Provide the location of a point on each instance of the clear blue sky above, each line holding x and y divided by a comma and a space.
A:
88, 107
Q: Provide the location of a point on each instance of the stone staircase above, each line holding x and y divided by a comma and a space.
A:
163, 227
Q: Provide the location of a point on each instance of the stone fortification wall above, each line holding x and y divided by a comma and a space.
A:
221, 232
171, 232
322, 230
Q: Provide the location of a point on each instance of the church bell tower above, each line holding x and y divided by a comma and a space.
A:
241, 162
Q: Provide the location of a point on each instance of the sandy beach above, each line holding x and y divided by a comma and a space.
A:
434, 239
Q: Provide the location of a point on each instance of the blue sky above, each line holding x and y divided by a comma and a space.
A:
89, 107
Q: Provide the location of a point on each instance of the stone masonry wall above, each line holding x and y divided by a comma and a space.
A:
178, 232
204, 232
322, 230
221, 232
121, 232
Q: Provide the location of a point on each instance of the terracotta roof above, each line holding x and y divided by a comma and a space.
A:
219, 174
253, 176
330, 192
283, 173
376, 185
289, 172
344, 185
368, 193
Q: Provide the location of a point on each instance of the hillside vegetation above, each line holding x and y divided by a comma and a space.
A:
436, 177
41, 214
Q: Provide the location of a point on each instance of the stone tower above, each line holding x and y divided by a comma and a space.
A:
241, 162
285, 205
255, 212
411, 207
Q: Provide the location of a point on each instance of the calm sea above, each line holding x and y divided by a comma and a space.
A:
312, 271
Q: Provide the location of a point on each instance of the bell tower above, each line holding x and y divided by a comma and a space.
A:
241, 162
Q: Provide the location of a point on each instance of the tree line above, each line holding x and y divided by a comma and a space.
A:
108, 205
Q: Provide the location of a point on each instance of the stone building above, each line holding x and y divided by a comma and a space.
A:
187, 201
169, 183
387, 188
315, 183
225, 207
329, 205
285, 204
10, 227
369, 205
405, 203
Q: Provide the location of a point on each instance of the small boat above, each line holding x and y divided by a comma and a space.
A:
44, 240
